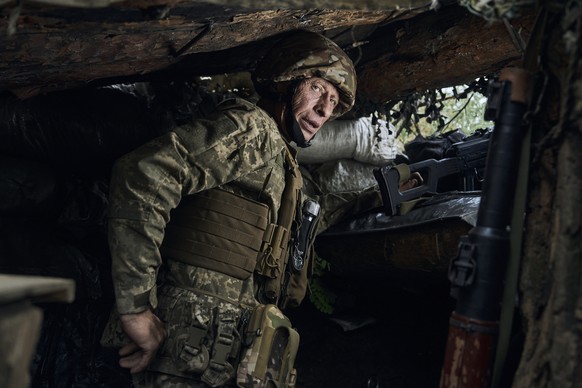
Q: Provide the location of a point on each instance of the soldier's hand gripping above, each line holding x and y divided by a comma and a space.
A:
414, 180
147, 333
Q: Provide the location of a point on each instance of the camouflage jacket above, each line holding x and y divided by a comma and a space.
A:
238, 147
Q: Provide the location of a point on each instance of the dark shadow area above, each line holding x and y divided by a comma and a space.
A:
401, 343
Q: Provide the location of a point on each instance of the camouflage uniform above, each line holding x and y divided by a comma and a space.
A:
238, 149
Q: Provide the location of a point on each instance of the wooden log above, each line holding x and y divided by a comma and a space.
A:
396, 51
445, 48
397, 255
58, 47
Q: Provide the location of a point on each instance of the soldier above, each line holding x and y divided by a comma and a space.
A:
196, 226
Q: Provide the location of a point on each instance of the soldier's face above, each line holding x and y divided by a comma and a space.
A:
313, 104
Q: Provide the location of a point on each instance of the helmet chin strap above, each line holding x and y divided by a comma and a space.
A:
297, 135
294, 129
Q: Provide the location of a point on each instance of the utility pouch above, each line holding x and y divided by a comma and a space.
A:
274, 246
270, 346
203, 342
190, 353
300, 255
273, 261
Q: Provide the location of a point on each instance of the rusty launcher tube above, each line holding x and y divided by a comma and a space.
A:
478, 272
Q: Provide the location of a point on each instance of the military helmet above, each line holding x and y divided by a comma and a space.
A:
306, 54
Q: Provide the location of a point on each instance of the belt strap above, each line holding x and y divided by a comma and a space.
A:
219, 370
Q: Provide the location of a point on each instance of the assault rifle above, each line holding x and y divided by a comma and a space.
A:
464, 159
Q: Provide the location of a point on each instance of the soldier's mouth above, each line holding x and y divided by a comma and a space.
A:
309, 126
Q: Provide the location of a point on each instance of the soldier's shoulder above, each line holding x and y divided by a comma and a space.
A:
236, 103
241, 107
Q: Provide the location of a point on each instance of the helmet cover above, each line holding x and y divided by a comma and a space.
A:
306, 54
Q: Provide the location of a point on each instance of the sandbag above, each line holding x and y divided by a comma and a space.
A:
344, 175
359, 139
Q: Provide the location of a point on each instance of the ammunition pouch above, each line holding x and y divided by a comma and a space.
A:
203, 341
274, 246
270, 346
191, 353
202, 311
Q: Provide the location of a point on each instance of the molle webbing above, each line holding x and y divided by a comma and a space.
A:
278, 253
275, 243
217, 230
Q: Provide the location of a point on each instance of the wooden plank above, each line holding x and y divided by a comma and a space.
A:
15, 288
20, 325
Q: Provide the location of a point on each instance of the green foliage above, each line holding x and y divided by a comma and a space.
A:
320, 266
320, 296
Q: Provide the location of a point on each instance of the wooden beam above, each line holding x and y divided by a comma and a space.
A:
328, 4
254, 4
396, 51
60, 47
438, 49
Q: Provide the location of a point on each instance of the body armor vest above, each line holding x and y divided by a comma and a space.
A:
222, 238
217, 230
230, 234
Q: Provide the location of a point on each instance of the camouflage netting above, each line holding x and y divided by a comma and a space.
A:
497, 9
